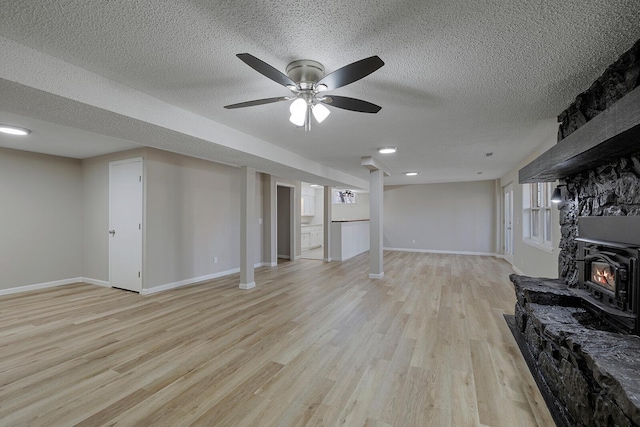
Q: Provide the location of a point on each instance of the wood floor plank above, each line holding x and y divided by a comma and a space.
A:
314, 344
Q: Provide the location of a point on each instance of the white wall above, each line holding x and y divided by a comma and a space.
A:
351, 211
40, 217
450, 217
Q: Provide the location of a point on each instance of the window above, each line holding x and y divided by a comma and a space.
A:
536, 227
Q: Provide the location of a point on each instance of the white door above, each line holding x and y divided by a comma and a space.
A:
125, 224
508, 222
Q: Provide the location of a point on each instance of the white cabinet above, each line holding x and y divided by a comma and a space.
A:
316, 237
311, 237
308, 205
306, 239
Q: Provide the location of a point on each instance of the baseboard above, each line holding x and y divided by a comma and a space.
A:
96, 282
435, 251
37, 286
326, 259
247, 285
510, 261
517, 270
376, 276
187, 282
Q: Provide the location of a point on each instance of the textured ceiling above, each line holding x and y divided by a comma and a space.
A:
462, 78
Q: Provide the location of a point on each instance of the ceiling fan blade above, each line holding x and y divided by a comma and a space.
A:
257, 102
351, 104
351, 73
266, 69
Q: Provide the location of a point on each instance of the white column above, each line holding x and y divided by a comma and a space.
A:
376, 189
327, 223
247, 227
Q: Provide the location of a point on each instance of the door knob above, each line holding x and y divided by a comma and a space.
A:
112, 232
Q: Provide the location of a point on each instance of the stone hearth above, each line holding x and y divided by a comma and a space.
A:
590, 370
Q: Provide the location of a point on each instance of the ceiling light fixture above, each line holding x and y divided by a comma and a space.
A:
314, 185
411, 173
14, 130
387, 150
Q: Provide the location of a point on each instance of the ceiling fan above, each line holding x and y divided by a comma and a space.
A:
308, 84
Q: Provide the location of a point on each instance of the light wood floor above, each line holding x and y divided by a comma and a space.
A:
314, 344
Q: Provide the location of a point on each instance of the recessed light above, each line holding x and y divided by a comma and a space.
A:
387, 150
411, 173
14, 130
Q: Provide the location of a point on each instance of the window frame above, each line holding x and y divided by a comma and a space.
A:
537, 229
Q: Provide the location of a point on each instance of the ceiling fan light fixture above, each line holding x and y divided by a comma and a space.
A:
298, 119
387, 150
298, 111
298, 107
320, 112
306, 79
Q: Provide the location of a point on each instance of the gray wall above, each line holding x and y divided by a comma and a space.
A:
40, 218
456, 217
193, 215
55, 218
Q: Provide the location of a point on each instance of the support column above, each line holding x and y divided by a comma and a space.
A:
327, 223
247, 227
376, 189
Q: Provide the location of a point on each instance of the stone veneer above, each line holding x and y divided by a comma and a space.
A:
591, 371
617, 80
611, 189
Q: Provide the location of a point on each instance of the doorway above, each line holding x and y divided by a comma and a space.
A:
312, 222
508, 223
125, 224
285, 221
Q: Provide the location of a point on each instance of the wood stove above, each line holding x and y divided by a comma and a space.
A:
609, 276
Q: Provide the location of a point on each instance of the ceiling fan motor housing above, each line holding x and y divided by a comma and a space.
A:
305, 72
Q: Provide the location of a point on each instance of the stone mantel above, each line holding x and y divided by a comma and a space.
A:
612, 134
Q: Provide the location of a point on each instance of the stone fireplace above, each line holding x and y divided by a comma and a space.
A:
580, 332
608, 275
